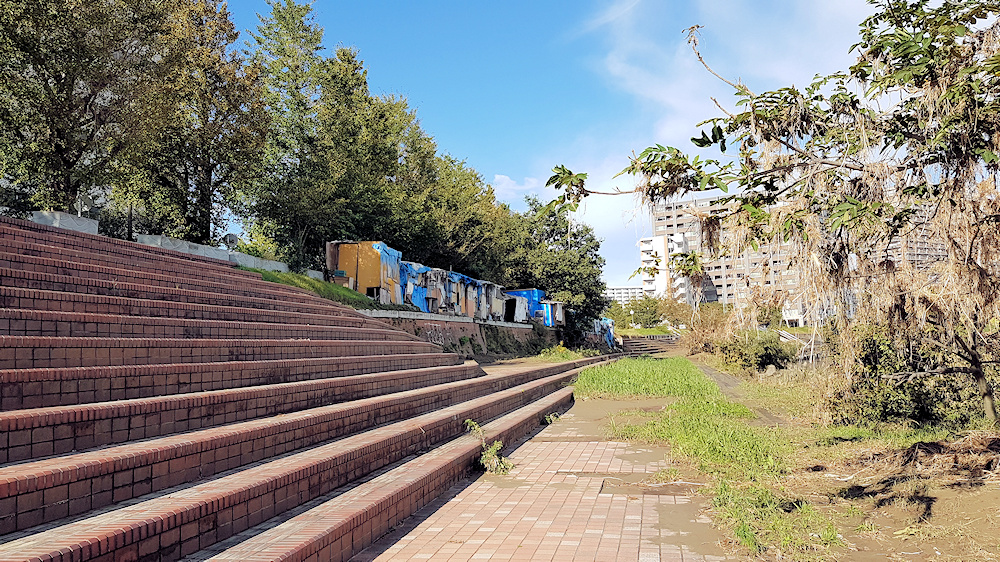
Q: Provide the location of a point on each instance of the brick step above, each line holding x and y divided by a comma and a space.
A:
101, 287
40, 388
36, 299
353, 519
104, 244
176, 279
164, 265
17, 322
28, 230
40, 491
59, 430
110, 252
27, 352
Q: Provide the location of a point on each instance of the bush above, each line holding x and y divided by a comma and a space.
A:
949, 401
562, 353
707, 329
754, 350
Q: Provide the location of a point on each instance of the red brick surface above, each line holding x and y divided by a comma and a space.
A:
16, 229
25, 352
181, 278
38, 388
86, 324
72, 428
35, 299
126, 370
220, 508
327, 531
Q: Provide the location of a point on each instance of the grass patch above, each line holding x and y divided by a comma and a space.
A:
700, 424
560, 353
715, 435
747, 462
329, 291
759, 518
645, 377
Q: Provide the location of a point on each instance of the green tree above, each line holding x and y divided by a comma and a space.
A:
287, 47
674, 312
458, 223
644, 311
563, 259
73, 77
342, 186
619, 314
208, 154
854, 181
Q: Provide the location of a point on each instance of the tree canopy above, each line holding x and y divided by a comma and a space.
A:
72, 79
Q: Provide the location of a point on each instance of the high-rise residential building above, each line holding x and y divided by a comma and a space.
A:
623, 294
729, 278
653, 255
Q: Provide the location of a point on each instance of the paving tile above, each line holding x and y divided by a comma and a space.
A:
550, 507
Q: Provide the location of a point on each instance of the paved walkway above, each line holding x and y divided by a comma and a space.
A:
572, 496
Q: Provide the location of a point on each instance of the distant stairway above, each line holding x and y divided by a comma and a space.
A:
157, 406
635, 346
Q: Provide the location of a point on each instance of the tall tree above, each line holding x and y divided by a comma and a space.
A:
287, 47
202, 161
562, 258
342, 186
644, 311
72, 78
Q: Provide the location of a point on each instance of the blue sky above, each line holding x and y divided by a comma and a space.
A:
515, 88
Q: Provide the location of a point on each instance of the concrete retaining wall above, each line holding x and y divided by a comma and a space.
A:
65, 220
469, 337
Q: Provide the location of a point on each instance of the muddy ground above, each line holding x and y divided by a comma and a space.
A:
933, 501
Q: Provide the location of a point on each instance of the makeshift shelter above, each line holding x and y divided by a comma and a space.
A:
371, 268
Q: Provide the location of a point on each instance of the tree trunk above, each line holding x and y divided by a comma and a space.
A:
986, 393
203, 211
982, 383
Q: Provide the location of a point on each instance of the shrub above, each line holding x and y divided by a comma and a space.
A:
869, 399
754, 350
707, 328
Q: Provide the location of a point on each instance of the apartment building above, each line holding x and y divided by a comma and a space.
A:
654, 252
730, 278
623, 294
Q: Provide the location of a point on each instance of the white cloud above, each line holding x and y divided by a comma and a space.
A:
513, 192
615, 11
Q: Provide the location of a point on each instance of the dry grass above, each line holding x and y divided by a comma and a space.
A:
975, 456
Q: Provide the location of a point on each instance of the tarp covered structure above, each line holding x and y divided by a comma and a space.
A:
372, 268
379, 271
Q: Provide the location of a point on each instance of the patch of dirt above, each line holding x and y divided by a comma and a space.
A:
929, 501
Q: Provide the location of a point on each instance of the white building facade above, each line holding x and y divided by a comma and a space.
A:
623, 294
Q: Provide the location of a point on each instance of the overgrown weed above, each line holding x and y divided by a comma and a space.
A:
703, 426
560, 352
491, 460
630, 378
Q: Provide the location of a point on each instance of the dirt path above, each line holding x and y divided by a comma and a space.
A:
730, 387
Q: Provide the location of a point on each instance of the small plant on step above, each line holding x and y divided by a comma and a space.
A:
491, 459
551, 418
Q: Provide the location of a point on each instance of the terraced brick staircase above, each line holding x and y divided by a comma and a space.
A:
636, 346
159, 406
